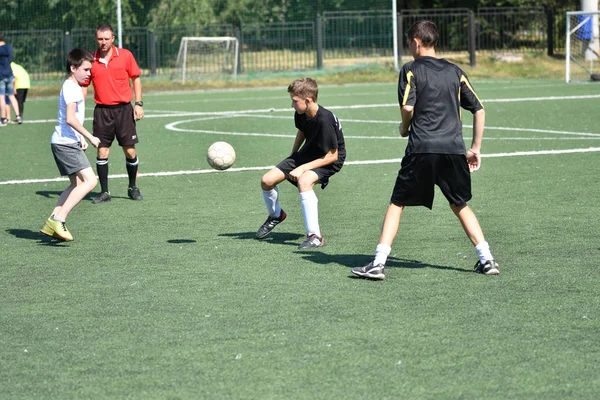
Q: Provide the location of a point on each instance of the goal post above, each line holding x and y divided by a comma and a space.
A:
582, 52
202, 57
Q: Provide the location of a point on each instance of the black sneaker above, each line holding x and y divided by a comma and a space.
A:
269, 224
19, 120
489, 268
311, 242
103, 197
134, 193
370, 271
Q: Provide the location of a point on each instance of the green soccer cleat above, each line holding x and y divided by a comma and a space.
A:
48, 232
60, 229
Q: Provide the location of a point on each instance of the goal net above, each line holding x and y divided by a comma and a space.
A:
582, 46
204, 57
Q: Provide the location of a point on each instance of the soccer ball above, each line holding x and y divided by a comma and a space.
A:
220, 155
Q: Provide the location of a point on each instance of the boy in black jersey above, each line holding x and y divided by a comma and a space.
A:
431, 92
321, 156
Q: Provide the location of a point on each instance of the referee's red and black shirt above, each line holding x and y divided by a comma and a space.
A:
437, 89
111, 79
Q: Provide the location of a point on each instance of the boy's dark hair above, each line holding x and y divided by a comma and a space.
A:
76, 57
104, 28
426, 31
305, 88
1, 36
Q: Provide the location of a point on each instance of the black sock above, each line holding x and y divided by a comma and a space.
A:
132, 169
102, 169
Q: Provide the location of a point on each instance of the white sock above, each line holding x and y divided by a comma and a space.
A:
483, 252
272, 201
54, 217
381, 253
310, 210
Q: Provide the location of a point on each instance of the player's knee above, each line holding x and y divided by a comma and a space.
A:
92, 182
306, 182
457, 208
266, 183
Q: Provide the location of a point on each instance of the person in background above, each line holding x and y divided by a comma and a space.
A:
7, 81
22, 85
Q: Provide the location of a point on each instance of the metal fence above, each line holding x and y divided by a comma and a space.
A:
512, 28
333, 39
357, 34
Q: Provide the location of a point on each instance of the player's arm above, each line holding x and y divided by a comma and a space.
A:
329, 158
298, 141
474, 153
138, 111
406, 112
75, 124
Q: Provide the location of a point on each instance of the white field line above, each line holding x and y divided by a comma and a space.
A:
346, 107
365, 162
367, 121
174, 127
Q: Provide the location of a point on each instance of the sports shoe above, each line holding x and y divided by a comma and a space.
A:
19, 120
489, 268
312, 241
60, 229
370, 271
48, 231
269, 224
134, 193
3, 122
103, 197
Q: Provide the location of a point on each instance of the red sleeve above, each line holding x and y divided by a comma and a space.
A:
132, 68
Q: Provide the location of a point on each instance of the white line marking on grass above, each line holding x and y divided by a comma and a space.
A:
346, 107
365, 162
173, 126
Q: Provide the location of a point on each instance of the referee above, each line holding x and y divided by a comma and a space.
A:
114, 117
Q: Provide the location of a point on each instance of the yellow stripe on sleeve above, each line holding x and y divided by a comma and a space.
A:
466, 81
409, 75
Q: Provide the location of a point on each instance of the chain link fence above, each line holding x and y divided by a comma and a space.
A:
334, 39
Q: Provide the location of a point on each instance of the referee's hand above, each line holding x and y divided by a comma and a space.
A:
138, 112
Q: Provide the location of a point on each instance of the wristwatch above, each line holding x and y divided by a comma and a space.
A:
139, 103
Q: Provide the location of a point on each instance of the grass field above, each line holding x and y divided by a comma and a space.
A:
172, 297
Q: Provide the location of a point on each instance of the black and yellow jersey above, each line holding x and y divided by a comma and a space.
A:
437, 89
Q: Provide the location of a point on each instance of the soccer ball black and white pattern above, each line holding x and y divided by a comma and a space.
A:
221, 155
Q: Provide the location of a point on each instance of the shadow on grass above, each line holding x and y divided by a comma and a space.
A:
357, 260
179, 241
35, 235
54, 194
289, 239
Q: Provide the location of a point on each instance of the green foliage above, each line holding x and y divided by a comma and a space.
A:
181, 12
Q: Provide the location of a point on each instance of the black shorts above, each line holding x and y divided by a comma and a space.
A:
115, 121
323, 173
420, 172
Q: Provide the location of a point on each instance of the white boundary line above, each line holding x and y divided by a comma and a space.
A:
365, 162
